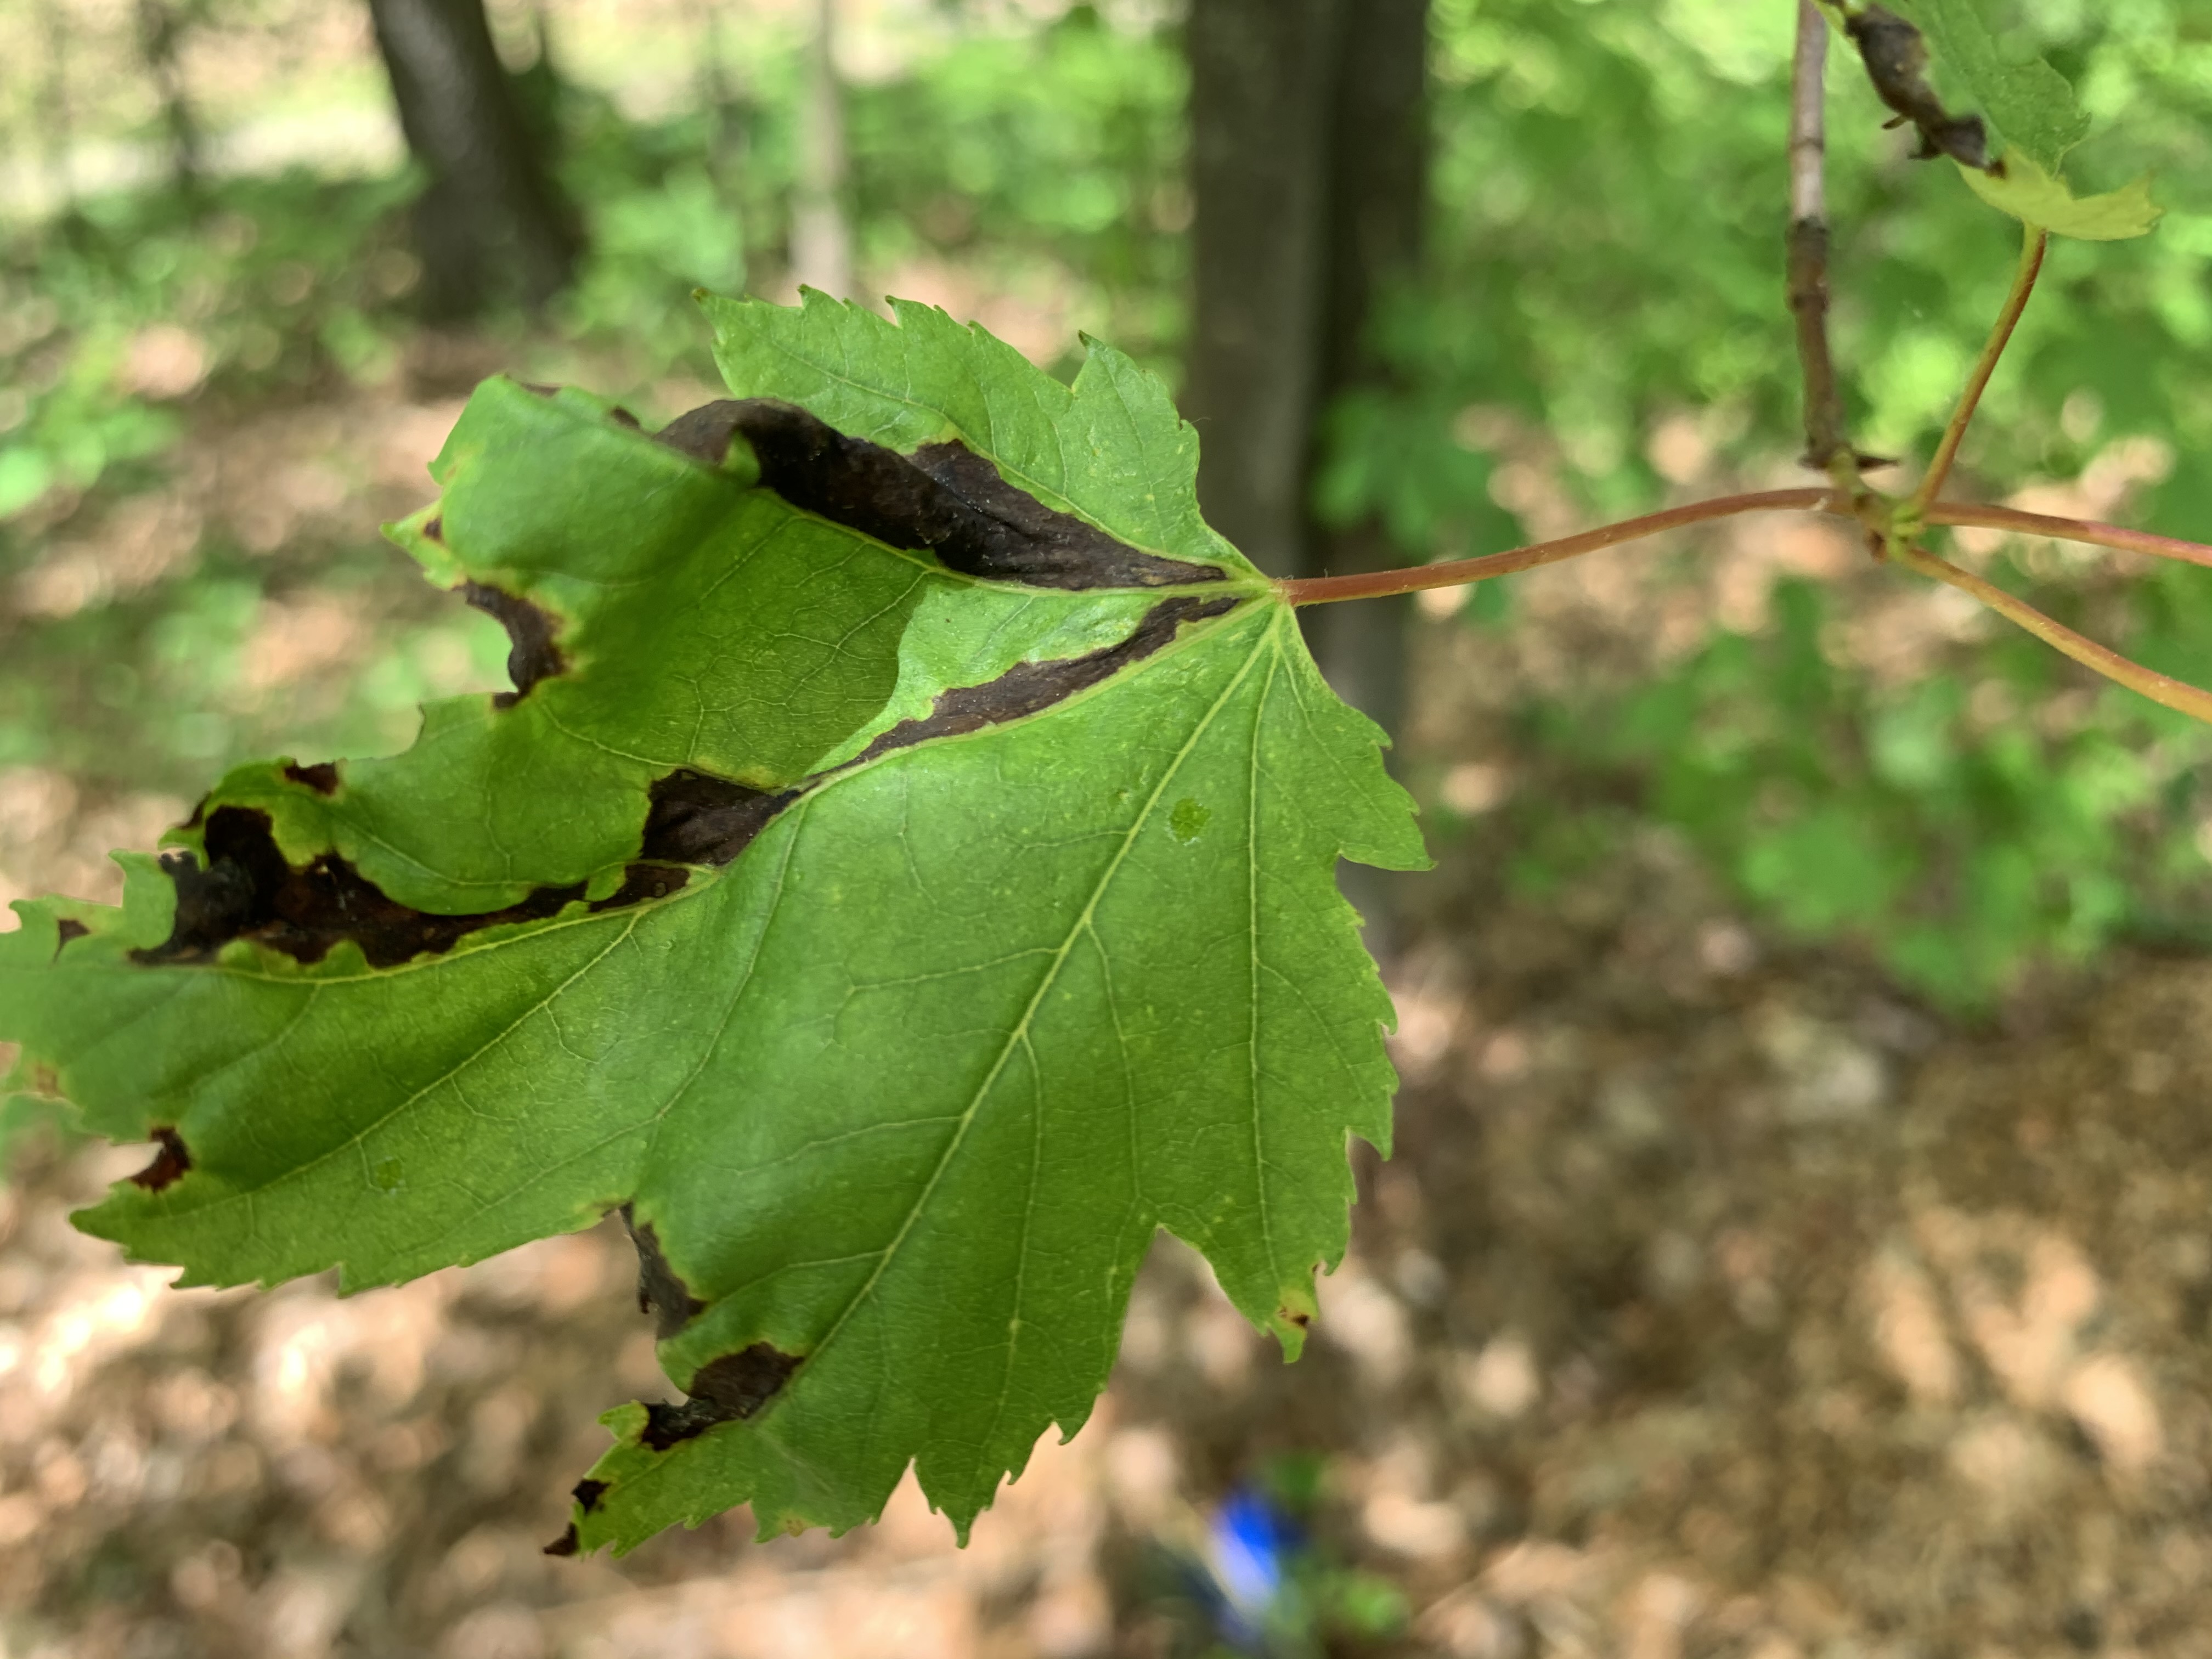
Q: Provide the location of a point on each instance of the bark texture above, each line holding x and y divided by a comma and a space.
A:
162, 26
1309, 165
491, 226
1261, 85
821, 234
1310, 168
1378, 163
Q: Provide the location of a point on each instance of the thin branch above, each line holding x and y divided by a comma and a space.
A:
2177, 695
2023, 284
1455, 573
1808, 120
1826, 446
2069, 530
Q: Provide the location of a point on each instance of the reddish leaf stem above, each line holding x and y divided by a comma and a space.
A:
1454, 573
2068, 529
2159, 687
1873, 512
2035, 241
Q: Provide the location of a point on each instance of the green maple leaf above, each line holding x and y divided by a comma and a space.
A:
901, 927
2036, 198
2034, 109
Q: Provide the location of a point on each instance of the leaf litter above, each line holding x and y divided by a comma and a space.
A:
1623, 1337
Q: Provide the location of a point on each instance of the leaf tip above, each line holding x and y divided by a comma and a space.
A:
1293, 1323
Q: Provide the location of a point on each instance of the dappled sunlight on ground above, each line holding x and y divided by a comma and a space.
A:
1718, 1302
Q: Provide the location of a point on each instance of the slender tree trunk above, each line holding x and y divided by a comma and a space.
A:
1259, 98
54, 111
725, 124
160, 29
1309, 167
1378, 164
491, 225
821, 235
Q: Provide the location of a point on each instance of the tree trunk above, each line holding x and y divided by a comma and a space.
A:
1259, 97
54, 121
1378, 164
1309, 164
491, 225
1309, 167
160, 31
821, 235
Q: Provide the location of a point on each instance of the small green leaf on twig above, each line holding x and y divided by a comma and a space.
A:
1896, 58
2031, 104
2033, 196
2028, 105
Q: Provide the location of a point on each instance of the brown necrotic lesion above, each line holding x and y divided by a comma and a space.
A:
1030, 688
242, 886
1896, 58
170, 1161
943, 499
532, 631
728, 1390
660, 1291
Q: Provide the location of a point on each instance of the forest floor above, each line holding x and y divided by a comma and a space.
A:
1717, 1301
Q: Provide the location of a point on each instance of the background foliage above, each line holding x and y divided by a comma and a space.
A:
1603, 279
204, 406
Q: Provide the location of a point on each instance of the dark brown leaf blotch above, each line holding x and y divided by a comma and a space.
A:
660, 1291
532, 655
697, 819
641, 883
245, 890
588, 1494
945, 500
1029, 688
730, 1388
1896, 58
322, 777
67, 928
566, 1544
171, 1160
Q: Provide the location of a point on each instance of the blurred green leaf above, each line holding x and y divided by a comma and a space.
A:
2028, 102
2034, 197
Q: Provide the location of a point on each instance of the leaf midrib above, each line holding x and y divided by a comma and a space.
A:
1264, 642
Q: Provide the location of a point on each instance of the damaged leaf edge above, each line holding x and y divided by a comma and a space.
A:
1104, 360
633, 1423
345, 962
